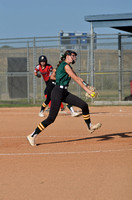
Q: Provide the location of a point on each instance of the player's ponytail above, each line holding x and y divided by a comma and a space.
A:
63, 57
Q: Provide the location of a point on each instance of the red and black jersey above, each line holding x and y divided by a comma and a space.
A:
46, 72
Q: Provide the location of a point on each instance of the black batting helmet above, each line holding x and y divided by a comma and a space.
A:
43, 58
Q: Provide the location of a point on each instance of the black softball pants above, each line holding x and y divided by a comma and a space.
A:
49, 87
59, 95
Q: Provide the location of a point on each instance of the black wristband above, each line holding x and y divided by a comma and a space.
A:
84, 83
38, 75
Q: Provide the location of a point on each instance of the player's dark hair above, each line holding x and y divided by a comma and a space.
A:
63, 57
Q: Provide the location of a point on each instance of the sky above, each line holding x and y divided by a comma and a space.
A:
43, 18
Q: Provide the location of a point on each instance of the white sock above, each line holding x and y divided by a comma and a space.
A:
71, 109
90, 125
33, 135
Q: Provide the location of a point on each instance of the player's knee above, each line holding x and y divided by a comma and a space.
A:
51, 120
84, 107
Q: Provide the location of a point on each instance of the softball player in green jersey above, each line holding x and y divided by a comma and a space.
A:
59, 94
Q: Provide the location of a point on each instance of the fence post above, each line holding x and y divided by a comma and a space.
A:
131, 84
120, 66
79, 67
34, 77
88, 61
28, 96
42, 81
92, 57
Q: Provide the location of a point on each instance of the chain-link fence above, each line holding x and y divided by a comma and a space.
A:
105, 63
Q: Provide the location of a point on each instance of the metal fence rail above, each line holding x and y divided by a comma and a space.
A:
103, 60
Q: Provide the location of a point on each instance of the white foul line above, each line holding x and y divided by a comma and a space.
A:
46, 136
62, 153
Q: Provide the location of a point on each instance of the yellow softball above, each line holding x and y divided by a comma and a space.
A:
93, 94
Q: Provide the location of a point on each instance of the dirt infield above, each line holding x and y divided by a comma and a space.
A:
68, 163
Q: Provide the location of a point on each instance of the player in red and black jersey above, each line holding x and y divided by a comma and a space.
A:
44, 68
47, 72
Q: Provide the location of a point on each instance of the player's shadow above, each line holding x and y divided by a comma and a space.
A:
95, 113
99, 138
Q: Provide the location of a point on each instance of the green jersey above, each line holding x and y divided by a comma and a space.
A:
62, 78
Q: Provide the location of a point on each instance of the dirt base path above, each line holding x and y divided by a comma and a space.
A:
68, 163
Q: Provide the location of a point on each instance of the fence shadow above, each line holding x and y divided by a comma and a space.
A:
99, 138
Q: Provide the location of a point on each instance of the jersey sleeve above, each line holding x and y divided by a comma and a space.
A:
36, 69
